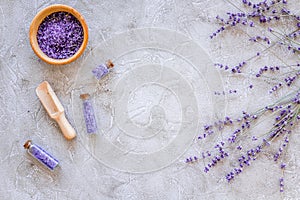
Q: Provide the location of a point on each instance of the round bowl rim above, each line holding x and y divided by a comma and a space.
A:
37, 20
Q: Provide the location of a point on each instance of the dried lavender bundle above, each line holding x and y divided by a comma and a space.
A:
267, 17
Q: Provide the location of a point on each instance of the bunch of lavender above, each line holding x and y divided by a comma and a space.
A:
269, 18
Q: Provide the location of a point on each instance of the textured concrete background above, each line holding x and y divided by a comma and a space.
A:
84, 173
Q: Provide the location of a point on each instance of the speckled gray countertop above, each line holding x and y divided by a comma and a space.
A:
142, 155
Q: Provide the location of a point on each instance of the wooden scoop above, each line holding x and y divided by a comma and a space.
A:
55, 109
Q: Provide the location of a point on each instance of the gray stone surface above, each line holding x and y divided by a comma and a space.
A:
119, 162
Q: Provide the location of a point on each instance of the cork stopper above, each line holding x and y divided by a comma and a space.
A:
84, 96
109, 64
27, 144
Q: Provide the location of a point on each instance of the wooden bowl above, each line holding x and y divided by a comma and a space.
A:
38, 19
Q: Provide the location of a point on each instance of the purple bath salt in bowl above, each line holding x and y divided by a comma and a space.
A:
60, 35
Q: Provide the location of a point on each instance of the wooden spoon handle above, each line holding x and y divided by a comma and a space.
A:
66, 128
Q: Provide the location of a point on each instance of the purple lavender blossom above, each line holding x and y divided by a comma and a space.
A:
60, 35
281, 184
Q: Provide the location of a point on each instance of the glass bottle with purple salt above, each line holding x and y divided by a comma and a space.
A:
41, 155
103, 69
89, 115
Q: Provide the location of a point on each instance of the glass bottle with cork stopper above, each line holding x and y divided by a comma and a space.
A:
102, 69
41, 155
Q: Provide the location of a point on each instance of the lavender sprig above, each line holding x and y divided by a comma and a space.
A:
286, 116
